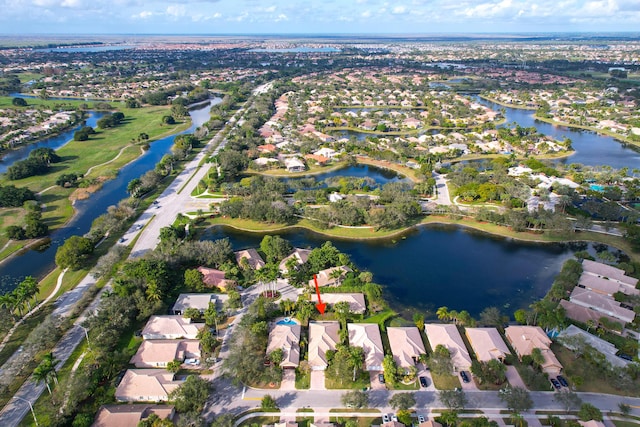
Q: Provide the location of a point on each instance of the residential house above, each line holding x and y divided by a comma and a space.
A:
430, 423
130, 415
294, 164
198, 301
601, 303
609, 350
323, 336
406, 345
611, 273
212, 277
300, 255
329, 153
487, 344
356, 301
367, 336
591, 423
583, 314
524, 339
170, 328
448, 336
146, 385
158, 353
325, 277
392, 424
254, 260
288, 339
318, 160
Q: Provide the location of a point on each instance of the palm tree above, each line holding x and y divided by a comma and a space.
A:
336, 275
356, 358
443, 313
342, 310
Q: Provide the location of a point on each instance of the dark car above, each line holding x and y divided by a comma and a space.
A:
424, 382
625, 357
563, 381
555, 383
381, 378
464, 376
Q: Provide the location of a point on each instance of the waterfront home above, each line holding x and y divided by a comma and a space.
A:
158, 353
300, 255
355, 300
329, 276
323, 336
130, 415
146, 385
367, 336
198, 301
605, 286
601, 303
294, 164
524, 339
406, 345
448, 336
254, 260
170, 328
583, 314
212, 277
286, 337
611, 273
329, 153
487, 344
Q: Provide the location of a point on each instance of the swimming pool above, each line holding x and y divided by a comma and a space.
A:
596, 187
287, 321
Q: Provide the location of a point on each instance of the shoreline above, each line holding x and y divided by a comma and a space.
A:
431, 220
617, 137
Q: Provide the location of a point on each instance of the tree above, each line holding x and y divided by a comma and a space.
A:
454, 400
443, 313
440, 361
491, 316
356, 358
342, 310
355, 399
402, 401
224, 420
390, 370
517, 399
192, 313
589, 412
625, 408
19, 102
174, 366
46, 371
275, 248
268, 403
191, 395
193, 280
73, 252
569, 399
418, 319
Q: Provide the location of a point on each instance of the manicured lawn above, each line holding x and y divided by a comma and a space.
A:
361, 421
304, 421
303, 380
411, 386
259, 421
445, 382
362, 382
381, 318
619, 423
6, 102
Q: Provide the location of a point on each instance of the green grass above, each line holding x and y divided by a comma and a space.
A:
304, 421
412, 386
259, 421
361, 382
381, 318
445, 382
360, 421
303, 380
619, 423
6, 102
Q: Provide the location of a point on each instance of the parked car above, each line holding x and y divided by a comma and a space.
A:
563, 381
421, 419
424, 382
625, 357
381, 378
555, 383
464, 376
385, 418
394, 417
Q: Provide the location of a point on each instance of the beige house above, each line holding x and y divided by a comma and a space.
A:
300, 255
367, 336
130, 415
406, 345
146, 385
487, 344
591, 423
448, 336
356, 301
254, 260
608, 272
170, 328
288, 339
601, 303
430, 423
323, 336
198, 301
325, 278
158, 353
584, 314
212, 277
524, 339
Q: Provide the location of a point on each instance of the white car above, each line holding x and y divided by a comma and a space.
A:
421, 419
394, 417
385, 418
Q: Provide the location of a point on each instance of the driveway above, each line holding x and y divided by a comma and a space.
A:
425, 373
471, 385
514, 378
375, 383
288, 379
317, 380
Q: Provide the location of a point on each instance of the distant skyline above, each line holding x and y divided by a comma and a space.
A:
312, 16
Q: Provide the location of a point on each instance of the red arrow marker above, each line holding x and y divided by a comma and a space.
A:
320, 305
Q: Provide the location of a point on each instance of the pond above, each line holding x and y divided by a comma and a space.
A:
436, 266
377, 175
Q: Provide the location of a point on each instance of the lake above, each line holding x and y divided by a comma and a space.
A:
379, 175
434, 266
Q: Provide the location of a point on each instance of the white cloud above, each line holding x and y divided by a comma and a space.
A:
145, 14
399, 10
176, 11
366, 14
270, 9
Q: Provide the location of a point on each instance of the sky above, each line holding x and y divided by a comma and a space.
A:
315, 16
